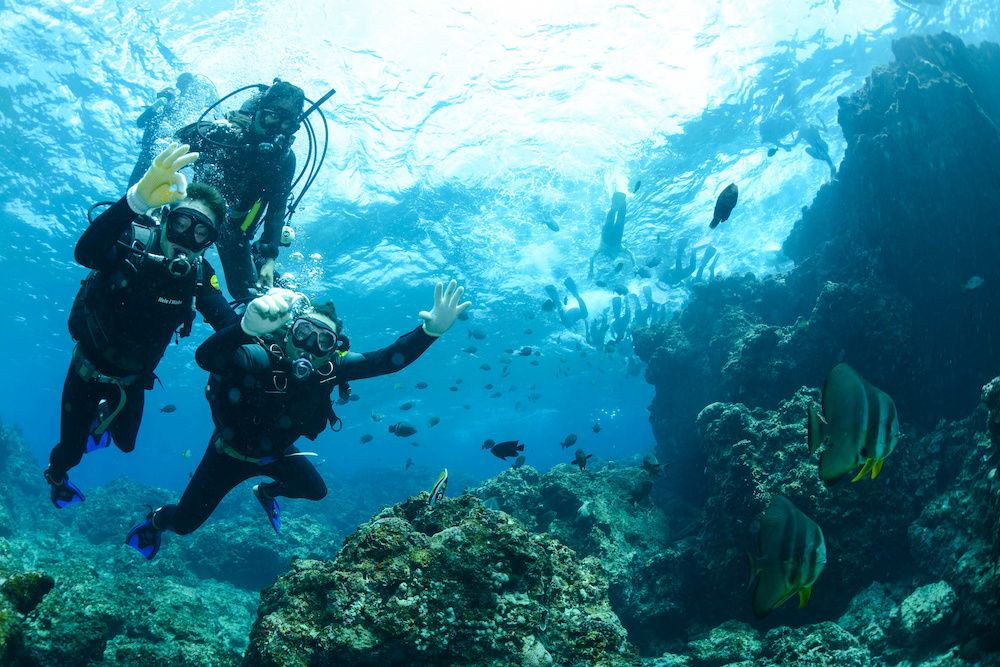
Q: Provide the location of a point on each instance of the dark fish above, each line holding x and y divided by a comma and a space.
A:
528, 332
409, 463
534, 362
421, 385
525, 351
452, 388
635, 188
643, 272
505, 360
403, 429
619, 266
792, 555
569, 441
458, 381
552, 224
354, 397
367, 437
471, 349
488, 387
507, 448
464, 315
377, 416
771, 152
496, 394
485, 367
433, 421
652, 466
488, 443
653, 262
477, 333
518, 462
548, 305
601, 283
860, 422
408, 405
581, 458
724, 205
621, 289
609, 347
534, 396
169, 407
596, 427
640, 491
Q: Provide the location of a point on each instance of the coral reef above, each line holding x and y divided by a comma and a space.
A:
880, 276
455, 584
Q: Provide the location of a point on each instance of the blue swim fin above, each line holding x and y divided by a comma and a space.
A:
62, 493
100, 435
270, 506
145, 538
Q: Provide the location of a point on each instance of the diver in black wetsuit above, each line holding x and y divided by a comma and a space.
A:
266, 394
145, 284
250, 160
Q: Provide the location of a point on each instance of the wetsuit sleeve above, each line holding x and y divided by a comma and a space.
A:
400, 354
97, 247
212, 303
277, 199
148, 114
219, 353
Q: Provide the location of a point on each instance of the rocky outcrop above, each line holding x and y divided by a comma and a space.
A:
885, 254
453, 584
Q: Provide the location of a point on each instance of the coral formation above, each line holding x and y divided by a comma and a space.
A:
453, 584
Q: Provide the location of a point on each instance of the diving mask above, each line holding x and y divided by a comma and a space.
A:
313, 337
190, 229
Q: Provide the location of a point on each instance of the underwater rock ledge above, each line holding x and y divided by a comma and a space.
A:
883, 254
453, 584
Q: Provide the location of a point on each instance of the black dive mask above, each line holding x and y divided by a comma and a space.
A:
190, 229
313, 337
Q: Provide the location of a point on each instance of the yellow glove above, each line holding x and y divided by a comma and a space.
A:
162, 184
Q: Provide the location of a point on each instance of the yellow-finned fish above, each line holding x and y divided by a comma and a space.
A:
792, 555
860, 422
437, 491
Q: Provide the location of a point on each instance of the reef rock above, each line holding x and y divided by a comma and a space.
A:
453, 584
884, 253
603, 513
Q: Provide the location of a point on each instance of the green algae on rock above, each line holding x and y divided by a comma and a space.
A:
456, 584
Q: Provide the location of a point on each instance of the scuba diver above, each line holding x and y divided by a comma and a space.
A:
171, 108
146, 283
612, 232
272, 380
249, 159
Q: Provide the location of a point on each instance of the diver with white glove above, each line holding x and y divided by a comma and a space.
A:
272, 382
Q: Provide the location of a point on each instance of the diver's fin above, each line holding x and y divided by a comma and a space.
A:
63, 493
270, 506
100, 435
145, 538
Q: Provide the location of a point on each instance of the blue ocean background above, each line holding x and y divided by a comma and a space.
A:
459, 132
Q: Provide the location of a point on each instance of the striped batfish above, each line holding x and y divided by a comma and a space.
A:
860, 423
792, 555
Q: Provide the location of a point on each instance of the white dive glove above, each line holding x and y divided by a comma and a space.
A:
269, 312
445, 311
161, 183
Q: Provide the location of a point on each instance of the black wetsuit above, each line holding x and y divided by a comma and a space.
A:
123, 331
247, 174
259, 411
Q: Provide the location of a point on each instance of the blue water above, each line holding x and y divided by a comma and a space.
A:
456, 132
